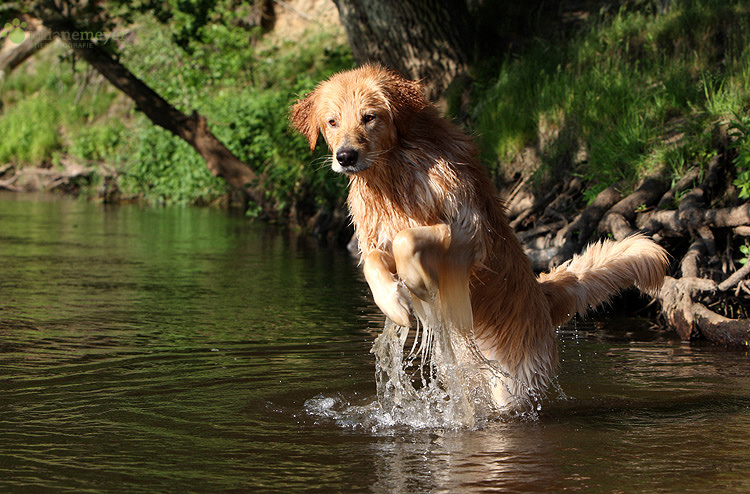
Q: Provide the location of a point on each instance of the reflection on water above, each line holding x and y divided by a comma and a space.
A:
166, 350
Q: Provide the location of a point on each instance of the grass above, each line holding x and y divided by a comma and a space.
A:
30, 131
634, 94
45, 110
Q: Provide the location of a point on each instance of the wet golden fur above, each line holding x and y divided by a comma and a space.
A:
423, 205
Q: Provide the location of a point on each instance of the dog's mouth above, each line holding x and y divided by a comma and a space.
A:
349, 160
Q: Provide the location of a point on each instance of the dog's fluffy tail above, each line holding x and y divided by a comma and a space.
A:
603, 269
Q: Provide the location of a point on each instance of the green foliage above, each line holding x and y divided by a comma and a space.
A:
632, 93
245, 93
50, 107
638, 92
163, 169
30, 131
740, 131
184, 78
254, 124
188, 20
100, 142
205, 59
745, 249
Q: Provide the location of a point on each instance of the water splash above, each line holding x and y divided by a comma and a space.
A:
433, 376
426, 385
443, 380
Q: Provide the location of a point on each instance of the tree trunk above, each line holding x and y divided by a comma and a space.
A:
193, 129
12, 58
425, 40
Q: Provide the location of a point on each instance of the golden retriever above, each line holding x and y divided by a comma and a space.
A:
434, 235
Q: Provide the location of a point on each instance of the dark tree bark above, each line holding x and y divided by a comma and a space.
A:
193, 128
422, 39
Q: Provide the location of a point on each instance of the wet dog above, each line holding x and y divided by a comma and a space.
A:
435, 238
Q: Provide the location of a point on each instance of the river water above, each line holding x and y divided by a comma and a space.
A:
189, 350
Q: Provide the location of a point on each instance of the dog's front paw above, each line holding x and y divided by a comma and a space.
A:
396, 305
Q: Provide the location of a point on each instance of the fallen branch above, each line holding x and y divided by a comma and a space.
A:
689, 264
563, 201
538, 206
728, 217
32, 179
686, 181
540, 230
720, 329
573, 236
681, 224
519, 199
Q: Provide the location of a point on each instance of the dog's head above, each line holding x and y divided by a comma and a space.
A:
361, 113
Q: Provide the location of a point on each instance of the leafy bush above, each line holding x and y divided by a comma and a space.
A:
255, 126
163, 168
30, 131
51, 107
205, 59
101, 142
245, 93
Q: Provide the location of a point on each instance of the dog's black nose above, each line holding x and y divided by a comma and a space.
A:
347, 157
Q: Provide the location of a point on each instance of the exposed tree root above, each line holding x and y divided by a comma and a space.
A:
618, 220
706, 297
693, 320
562, 239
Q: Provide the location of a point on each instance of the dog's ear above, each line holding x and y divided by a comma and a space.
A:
303, 118
406, 98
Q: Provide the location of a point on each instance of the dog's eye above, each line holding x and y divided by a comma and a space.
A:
332, 122
368, 118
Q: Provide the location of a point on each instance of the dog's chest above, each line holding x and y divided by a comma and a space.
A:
381, 211
377, 228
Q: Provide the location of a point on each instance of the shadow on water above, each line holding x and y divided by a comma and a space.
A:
177, 349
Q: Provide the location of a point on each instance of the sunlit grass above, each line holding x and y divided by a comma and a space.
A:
641, 93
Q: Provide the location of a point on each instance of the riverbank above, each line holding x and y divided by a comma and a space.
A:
623, 96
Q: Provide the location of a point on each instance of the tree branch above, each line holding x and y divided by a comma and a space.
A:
14, 57
193, 129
